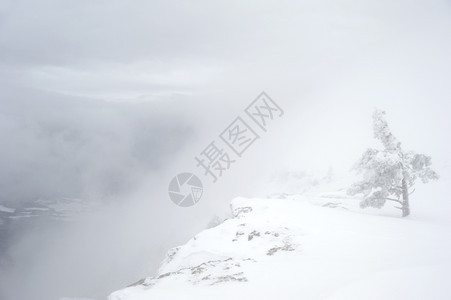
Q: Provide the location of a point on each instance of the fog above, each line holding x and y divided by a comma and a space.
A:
106, 101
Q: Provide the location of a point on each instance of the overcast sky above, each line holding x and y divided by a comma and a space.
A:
109, 99
329, 63
153, 49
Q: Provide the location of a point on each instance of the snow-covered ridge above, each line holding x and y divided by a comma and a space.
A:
292, 249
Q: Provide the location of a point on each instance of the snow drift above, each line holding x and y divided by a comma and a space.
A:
292, 249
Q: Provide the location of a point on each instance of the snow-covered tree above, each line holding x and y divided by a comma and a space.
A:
390, 174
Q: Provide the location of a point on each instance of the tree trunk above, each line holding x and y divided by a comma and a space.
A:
405, 199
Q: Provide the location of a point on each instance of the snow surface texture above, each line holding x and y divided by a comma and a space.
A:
292, 249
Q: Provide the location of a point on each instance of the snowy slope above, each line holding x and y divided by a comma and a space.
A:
292, 249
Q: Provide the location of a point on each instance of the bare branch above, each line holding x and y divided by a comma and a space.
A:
398, 207
410, 193
394, 200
